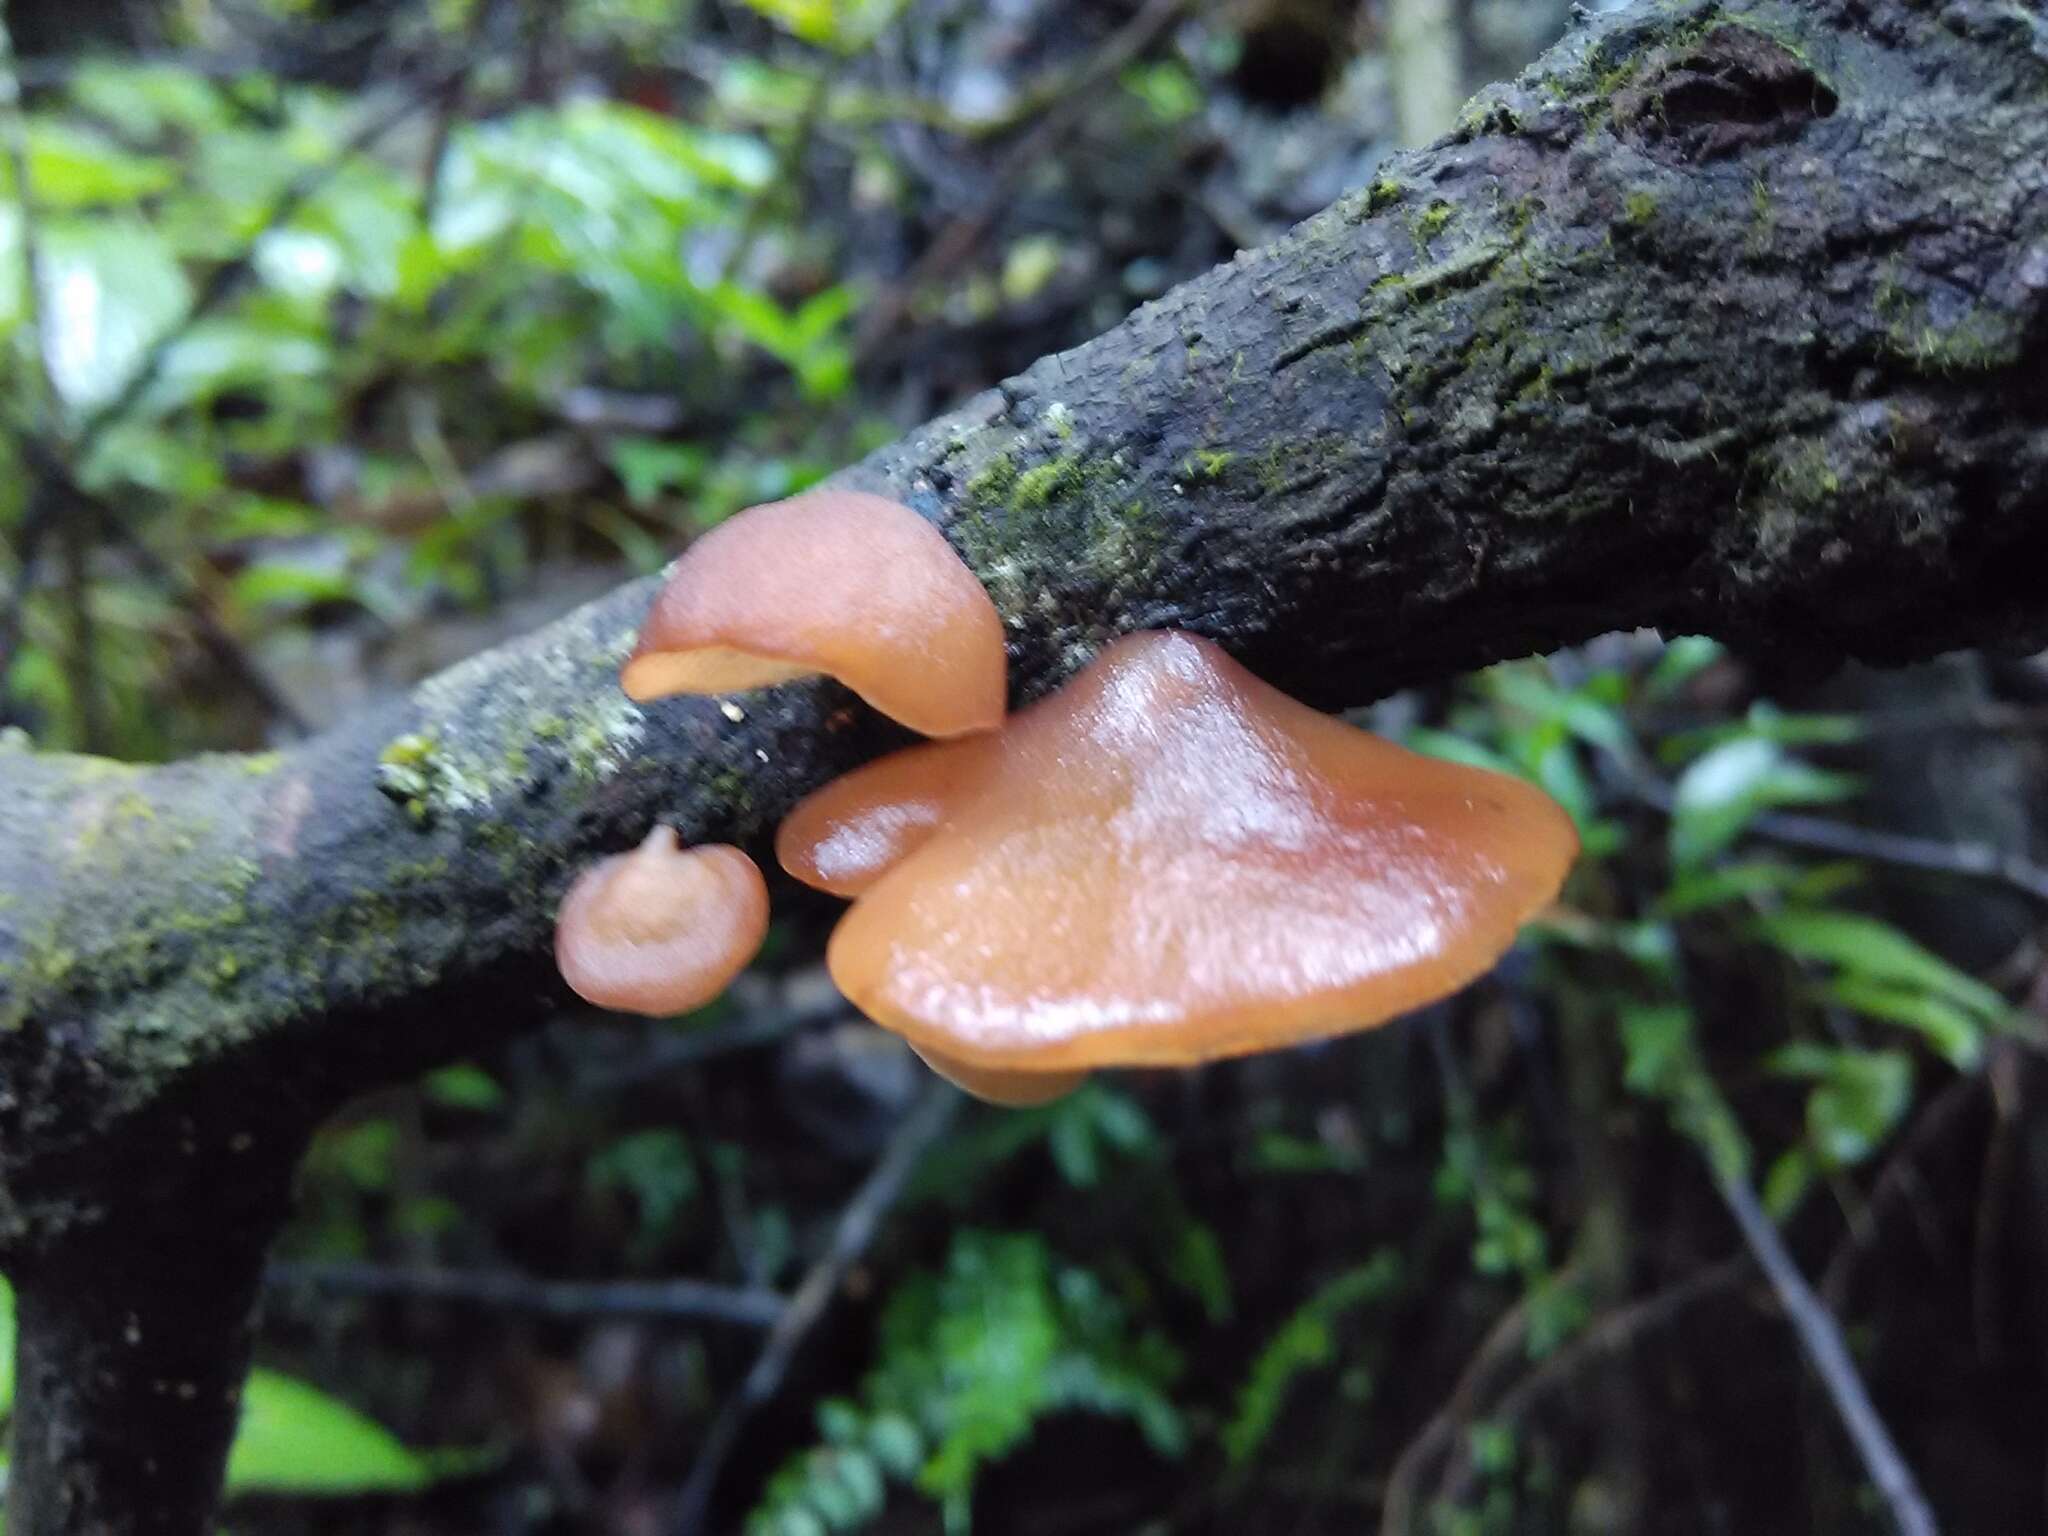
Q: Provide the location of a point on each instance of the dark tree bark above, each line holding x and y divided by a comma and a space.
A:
1726, 318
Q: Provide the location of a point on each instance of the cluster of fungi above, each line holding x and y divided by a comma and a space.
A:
1162, 863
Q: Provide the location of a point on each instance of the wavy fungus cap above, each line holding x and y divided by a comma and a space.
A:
837, 582
846, 836
1170, 862
662, 929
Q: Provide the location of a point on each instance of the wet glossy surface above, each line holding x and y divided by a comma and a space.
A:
1008, 1087
846, 836
662, 929
1173, 862
851, 585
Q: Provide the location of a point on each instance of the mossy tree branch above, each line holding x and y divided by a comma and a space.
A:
1726, 317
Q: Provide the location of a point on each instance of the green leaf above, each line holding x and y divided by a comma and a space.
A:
1874, 950
1557, 767
1953, 1031
1764, 721
1588, 719
1457, 749
650, 468
1197, 1265
1663, 1062
1723, 791
74, 167
296, 1439
1303, 1342
1790, 1177
1858, 1099
142, 101
1168, 91
234, 352
281, 584
844, 25
6, 1347
1684, 659
1695, 890
656, 1168
110, 288
895, 1443
464, 1086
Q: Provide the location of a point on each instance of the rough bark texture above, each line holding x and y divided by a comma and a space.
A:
1726, 317
133, 1351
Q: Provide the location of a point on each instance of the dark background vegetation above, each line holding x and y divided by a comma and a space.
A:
365, 335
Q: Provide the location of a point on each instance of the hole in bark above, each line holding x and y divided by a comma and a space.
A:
1732, 89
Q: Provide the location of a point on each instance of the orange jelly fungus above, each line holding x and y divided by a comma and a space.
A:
846, 836
837, 582
1000, 1085
1168, 861
662, 929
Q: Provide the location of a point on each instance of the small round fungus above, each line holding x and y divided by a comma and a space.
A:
662, 929
846, 836
1168, 861
837, 582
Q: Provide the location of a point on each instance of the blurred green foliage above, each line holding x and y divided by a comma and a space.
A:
292, 333
969, 1359
347, 347
293, 1438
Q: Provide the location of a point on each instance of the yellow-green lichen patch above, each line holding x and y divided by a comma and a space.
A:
484, 723
992, 482
1045, 483
1039, 535
1205, 466
1288, 465
1431, 222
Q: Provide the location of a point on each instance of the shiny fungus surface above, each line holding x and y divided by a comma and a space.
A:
662, 929
854, 586
1169, 861
846, 836
1013, 1088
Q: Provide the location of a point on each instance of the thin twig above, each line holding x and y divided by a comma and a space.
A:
81, 651
958, 240
1503, 1342
454, 97
789, 166
850, 1238
211, 631
1611, 1334
41, 514
1897, 1181
749, 1032
36, 524
1829, 1356
2000, 1153
1978, 861
209, 628
1824, 834
694, 1300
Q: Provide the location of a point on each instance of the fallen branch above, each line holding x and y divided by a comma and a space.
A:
693, 1300
1724, 317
